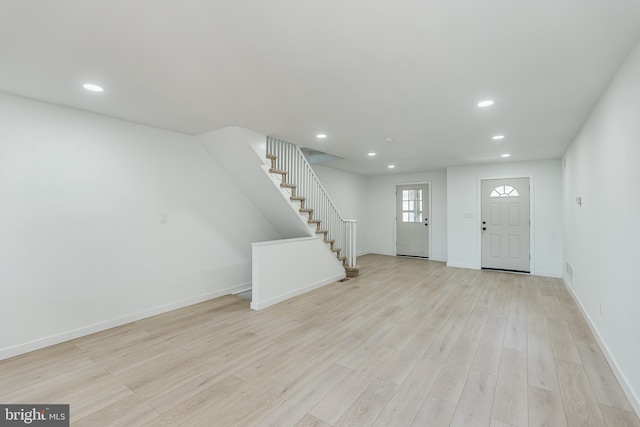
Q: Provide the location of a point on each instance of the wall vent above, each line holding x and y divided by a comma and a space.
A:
570, 270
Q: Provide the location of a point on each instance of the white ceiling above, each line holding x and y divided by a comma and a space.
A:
357, 70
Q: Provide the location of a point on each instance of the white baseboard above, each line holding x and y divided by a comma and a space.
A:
467, 266
382, 253
633, 399
27, 347
244, 288
547, 274
393, 254
255, 305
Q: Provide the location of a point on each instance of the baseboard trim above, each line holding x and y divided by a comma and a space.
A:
264, 304
547, 274
244, 288
382, 253
467, 266
633, 399
38, 344
394, 254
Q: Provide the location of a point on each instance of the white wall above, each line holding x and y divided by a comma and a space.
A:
238, 151
81, 243
283, 269
382, 211
349, 193
603, 235
546, 207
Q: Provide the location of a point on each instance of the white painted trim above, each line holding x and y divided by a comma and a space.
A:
278, 299
547, 274
383, 253
468, 266
532, 227
429, 259
246, 288
38, 344
633, 399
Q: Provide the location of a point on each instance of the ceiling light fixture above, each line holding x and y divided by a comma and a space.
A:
498, 137
92, 87
372, 154
391, 166
485, 103
321, 136
506, 155
388, 140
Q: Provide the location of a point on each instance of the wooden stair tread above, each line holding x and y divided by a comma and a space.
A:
352, 271
302, 209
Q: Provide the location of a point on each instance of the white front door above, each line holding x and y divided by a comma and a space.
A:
412, 222
505, 224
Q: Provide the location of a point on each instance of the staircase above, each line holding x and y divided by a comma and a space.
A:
309, 197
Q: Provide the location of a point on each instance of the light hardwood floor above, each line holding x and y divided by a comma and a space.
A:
409, 342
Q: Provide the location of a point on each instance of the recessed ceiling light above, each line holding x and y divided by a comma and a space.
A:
485, 103
372, 154
498, 137
92, 87
388, 140
391, 166
506, 155
321, 136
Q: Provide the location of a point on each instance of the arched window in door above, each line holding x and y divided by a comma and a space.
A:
504, 191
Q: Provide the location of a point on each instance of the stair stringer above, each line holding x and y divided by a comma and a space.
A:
238, 151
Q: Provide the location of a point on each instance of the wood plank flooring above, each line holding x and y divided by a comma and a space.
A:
408, 343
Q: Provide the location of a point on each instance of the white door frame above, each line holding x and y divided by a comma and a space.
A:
532, 227
395, 209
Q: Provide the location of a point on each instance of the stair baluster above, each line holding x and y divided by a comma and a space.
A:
288, 161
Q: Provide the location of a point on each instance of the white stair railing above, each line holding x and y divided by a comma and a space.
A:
299, 172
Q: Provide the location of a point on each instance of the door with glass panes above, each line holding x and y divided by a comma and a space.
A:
506, 224
412, 222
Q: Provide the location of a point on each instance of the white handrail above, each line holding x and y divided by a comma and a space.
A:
289, 157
